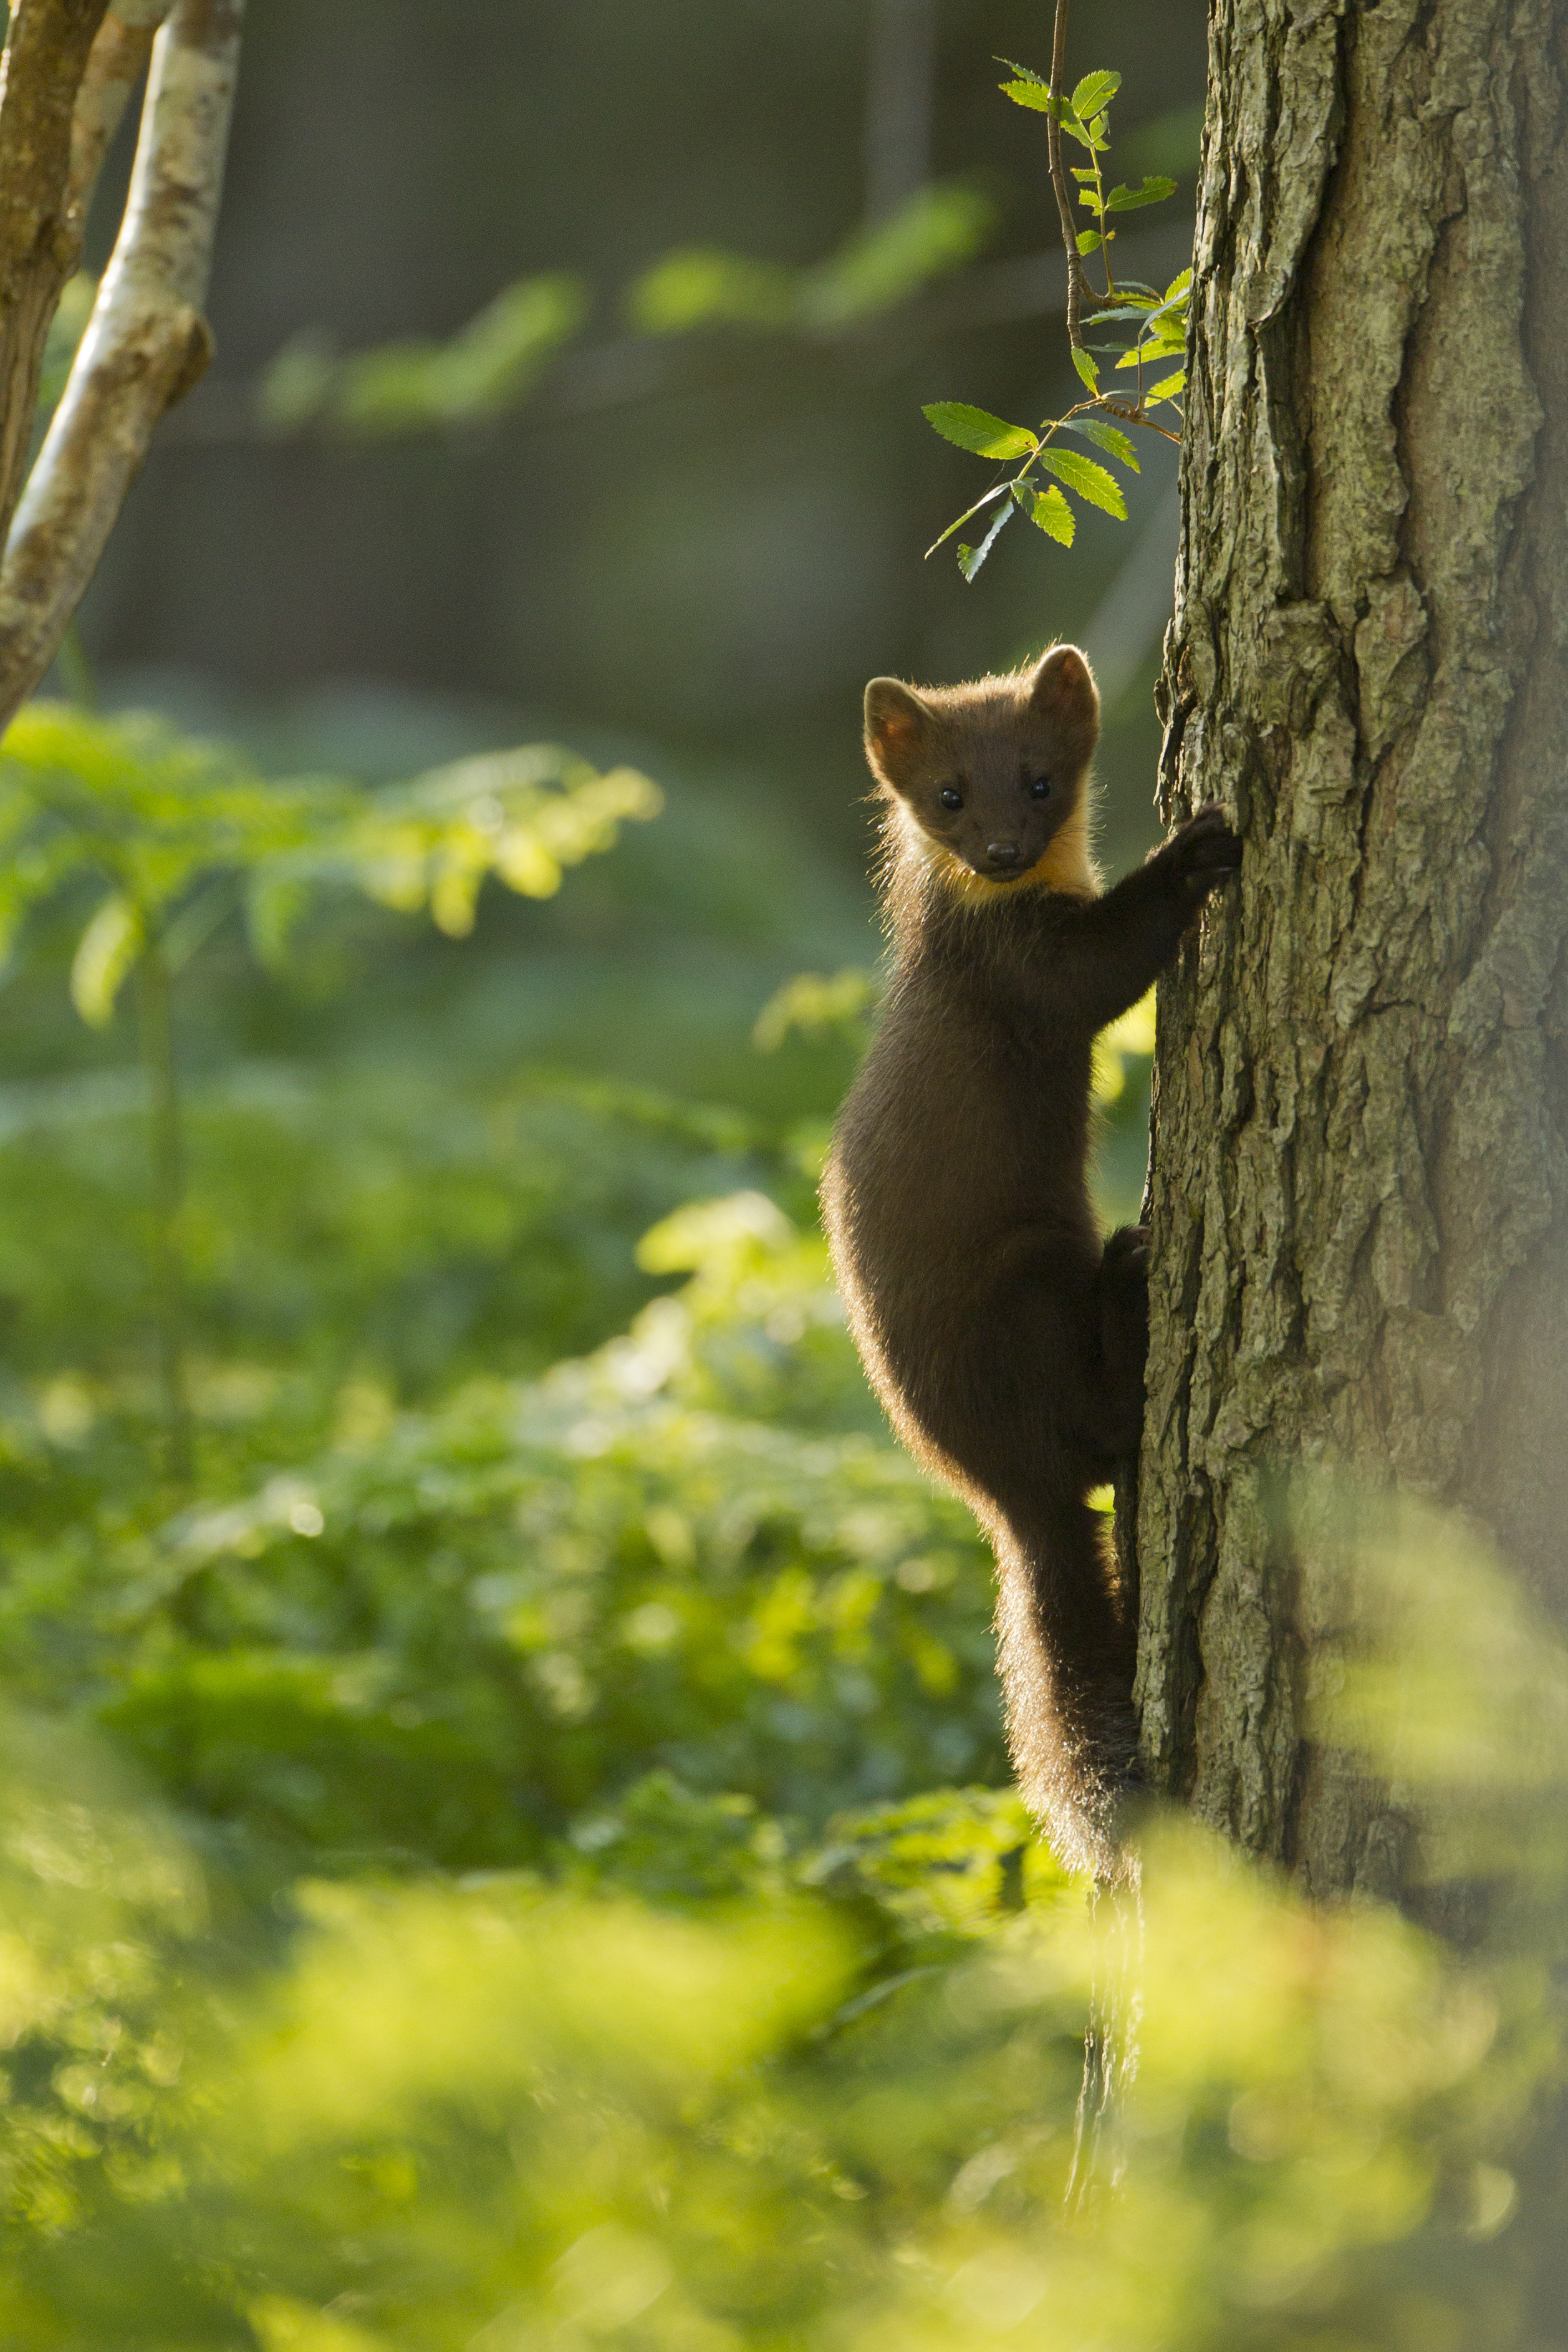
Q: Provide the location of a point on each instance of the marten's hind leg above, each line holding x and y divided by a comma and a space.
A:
1122, 1303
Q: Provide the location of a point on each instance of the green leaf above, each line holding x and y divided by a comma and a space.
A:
971, 558
702, 285
1086, 367
1179, 285
1166, 389
1094, 93
1154, 192
1157, 347
1080, 172
977, 429
105, 954
1000, 491
486, 368
1091, 481
1109, 438
1051, 510
1024, 73
1088, 240
1033, 94
937, 230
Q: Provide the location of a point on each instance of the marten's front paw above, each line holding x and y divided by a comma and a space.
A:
1126, 1261
1202, 852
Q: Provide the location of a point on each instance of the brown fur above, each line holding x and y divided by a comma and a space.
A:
1004, 1341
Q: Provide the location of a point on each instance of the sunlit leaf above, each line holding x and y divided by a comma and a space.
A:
298, 382
104, 955
1088, 240
702, 285
1094, 93
936, 230
1154, 191
813, 1004
1085, 367
1106, 437
998, 490
1167, 388
971, 558
977, 430
1160, 346
1091, 481
1051, 510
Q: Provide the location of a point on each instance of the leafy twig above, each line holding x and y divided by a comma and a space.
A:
1077, 284
1161, 331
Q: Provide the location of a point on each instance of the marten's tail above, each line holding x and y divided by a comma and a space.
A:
1067, 1659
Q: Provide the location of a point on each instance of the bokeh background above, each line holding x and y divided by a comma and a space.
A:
687, 550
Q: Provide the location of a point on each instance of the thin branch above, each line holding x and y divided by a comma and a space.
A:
146, 343
116, 63
1077, 286
166, 1155
47, 43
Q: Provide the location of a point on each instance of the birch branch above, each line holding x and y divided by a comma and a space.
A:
48, 43
115, 65
146, 343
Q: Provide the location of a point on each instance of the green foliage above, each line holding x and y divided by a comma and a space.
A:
691, 2086
516, 1851
419, 384
703, 286
158, 817
977, 429
483, 371
1161, 333
937, 230
813, 1003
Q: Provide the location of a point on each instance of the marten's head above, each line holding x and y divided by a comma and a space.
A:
989, 782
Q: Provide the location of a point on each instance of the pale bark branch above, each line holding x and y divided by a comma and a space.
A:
48, 45
146, 343
116, 63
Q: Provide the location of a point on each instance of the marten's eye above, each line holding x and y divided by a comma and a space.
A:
1041, 788
950, 796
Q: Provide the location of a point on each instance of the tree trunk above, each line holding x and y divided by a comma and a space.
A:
1359, 1184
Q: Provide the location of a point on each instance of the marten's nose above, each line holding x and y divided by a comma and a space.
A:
1002, 853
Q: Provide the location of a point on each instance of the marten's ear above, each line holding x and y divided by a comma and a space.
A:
897, 725
1062, 692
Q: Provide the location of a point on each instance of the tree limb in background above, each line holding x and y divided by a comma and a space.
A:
145, 346
47, 49
116, 63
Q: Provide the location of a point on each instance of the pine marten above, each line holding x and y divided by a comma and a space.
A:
1004, 1341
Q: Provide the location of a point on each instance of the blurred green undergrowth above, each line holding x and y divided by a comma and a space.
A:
510, 1846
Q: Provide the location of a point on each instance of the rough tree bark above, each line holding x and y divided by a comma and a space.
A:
1359, 1185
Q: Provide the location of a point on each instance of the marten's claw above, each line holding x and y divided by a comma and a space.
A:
1205, 849
1127, 1253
